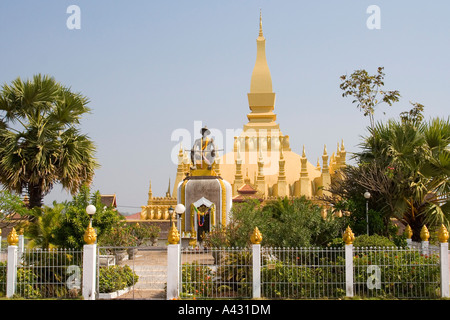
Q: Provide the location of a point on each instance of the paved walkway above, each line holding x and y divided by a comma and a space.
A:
151, 267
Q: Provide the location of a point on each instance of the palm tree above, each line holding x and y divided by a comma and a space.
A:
418, 153
40, 143
44, 223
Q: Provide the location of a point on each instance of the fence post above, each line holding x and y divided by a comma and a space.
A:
173, 263
443, 254
89, 263
21, 245
424, 235
11, 269
256, 270
348, 238
408, 233
256, 239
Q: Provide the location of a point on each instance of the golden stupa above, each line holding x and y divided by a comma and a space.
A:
262, 157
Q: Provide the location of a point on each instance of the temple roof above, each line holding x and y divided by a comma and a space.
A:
108, 200
247, 192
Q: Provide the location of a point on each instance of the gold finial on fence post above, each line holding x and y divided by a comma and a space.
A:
348, 236
408, 232
13, 238
256, 236
424, 234
90, 236
443, 234
174, 235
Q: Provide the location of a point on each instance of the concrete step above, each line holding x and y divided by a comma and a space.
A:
151, 277
150, 285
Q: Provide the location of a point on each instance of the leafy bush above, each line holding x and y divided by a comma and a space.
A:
197, 280
403, 273
372, 241
303, 273
234, 275
299, 218
129, 235
284, 279
113, 278
70, 229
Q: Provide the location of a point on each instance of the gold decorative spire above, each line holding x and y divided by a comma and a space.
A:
90, 236
261, 98
260, 23
168, 190
256, 236
303, 164
261, 81
424, 234
443, 234
348, 237
325, 160
13, 238
174, 235
281, 166
408, 232
150, 193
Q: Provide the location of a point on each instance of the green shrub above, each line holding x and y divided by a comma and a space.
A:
404, 273
27, 286
113, 278
299, 218
374, 240
234, 275
303, 274
197, 280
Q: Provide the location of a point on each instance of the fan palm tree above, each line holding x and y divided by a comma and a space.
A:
40, 143
45, 222
419, 151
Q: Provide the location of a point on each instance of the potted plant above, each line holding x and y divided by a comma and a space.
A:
119, 238
144, 232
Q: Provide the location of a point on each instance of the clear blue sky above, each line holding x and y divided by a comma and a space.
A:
151, 67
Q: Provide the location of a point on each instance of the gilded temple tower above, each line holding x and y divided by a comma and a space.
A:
261, 158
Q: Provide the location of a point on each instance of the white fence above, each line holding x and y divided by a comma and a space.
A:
37, 273
296, 273
253, 272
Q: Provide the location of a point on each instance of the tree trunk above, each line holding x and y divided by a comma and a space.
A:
35, 196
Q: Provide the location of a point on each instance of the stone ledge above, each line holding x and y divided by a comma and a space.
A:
113, 295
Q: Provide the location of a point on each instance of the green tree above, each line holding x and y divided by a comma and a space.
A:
368, 91
75, 220
291, 223
12, 209
405, 165
347, 194
40, 142
418, 152
299, 223
44, 223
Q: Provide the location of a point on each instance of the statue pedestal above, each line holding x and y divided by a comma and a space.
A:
207, 199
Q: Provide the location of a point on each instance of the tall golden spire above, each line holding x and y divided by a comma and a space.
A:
261, 79
260, 24
261, 97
